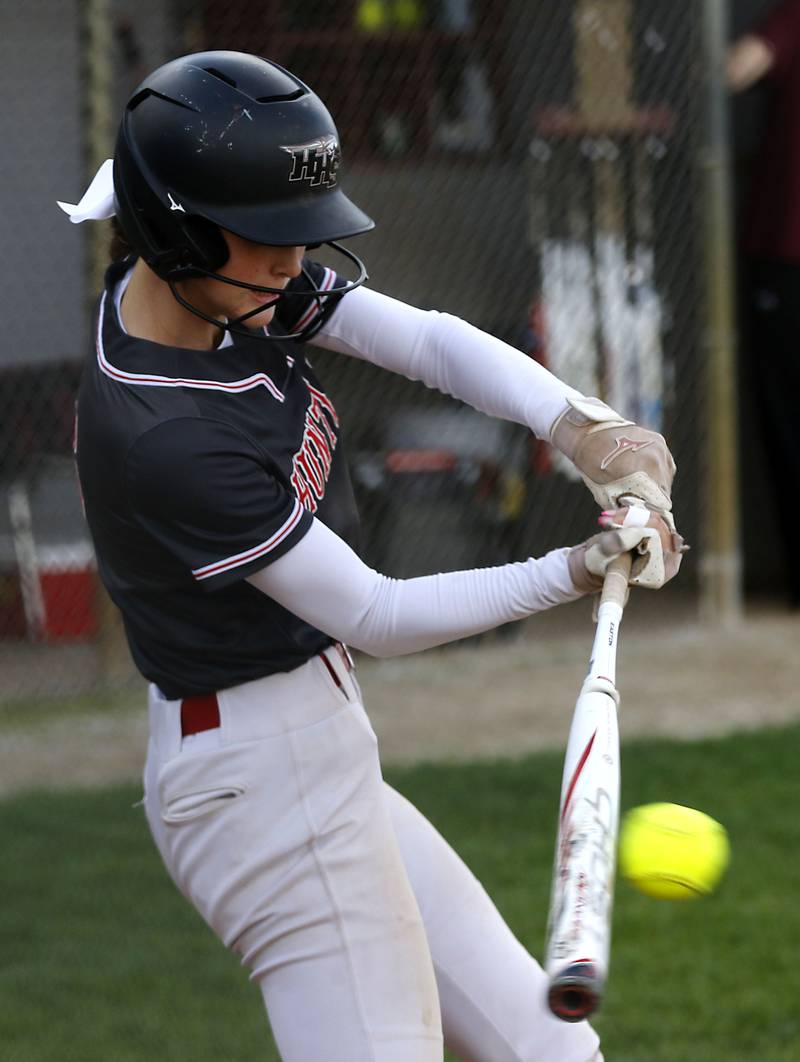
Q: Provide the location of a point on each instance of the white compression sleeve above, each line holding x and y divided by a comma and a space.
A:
448, 354
325, 583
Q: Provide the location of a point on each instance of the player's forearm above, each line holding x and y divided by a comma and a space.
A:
748, 60
325, 583
448, 354
405, 616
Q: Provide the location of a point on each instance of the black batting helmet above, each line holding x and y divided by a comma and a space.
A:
225, 140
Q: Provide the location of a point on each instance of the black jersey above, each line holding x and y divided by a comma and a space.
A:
198, 468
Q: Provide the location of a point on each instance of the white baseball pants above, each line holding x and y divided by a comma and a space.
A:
369, 938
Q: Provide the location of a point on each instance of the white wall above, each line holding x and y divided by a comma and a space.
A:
41, 282
45, 308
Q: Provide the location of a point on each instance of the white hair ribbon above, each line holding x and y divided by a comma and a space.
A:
97, 202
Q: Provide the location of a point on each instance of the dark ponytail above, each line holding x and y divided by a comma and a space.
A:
119, 247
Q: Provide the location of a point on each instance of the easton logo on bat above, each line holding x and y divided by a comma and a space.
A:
587, 846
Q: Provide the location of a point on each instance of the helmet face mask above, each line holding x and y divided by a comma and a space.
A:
235, 324
225, 140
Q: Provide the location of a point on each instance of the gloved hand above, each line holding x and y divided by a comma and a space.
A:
658, 550
614, 456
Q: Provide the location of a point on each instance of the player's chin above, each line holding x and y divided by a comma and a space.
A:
260, 320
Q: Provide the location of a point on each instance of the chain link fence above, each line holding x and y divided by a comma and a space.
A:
532, 167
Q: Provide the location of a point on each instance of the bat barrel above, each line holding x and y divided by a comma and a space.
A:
579, 924
576, 992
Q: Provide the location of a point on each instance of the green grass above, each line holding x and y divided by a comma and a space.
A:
30, 714
102, 961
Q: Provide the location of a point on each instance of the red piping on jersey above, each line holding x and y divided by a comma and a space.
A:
251, 554
259, 379
326, 285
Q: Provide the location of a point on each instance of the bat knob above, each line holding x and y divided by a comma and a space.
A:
575, 993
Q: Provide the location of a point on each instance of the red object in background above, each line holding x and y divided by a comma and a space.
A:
420, 461
68, 582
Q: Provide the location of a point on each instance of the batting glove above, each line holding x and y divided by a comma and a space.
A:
657, 549
615, 456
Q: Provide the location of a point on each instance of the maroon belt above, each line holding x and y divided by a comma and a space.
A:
202, 712
199, 713
344, 656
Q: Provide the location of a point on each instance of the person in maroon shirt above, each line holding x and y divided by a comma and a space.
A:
770, 243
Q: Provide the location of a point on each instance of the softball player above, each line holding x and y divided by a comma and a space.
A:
210, 459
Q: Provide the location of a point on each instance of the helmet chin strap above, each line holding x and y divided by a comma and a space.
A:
236, 324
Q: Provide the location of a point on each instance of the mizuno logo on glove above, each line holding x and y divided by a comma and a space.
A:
623, 445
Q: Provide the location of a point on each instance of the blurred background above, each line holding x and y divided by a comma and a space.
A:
565, 174
573, 176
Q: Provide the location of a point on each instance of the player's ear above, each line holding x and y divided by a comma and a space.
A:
206, 245
202, 245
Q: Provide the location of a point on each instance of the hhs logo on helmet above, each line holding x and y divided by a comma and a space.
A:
316, 162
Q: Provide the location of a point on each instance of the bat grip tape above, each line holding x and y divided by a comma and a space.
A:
615, 584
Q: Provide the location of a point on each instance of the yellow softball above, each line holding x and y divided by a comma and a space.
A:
672, 852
